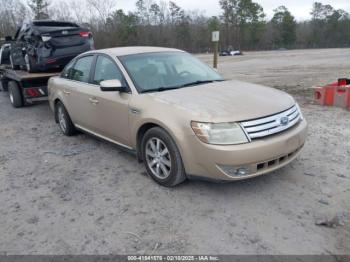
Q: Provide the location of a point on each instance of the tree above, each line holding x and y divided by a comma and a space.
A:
39, 8
213, 24
329, 26
12, 13
103, 8
123, 28
142, 12
244, 18
154, 14
284, 25
176, 13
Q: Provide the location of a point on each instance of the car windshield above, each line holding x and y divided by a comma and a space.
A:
152, 72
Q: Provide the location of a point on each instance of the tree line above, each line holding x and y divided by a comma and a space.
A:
243, 24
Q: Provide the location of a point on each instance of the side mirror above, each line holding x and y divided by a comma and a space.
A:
111, 86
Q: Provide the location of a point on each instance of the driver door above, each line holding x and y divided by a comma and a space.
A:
110, 109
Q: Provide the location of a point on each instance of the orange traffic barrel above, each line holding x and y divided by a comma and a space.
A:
325, 95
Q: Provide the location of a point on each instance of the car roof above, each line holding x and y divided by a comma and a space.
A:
133, 50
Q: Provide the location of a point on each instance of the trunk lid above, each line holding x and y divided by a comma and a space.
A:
64, 36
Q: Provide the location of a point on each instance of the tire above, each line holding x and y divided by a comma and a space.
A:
159, 151
15, 94
14, 67
64, 121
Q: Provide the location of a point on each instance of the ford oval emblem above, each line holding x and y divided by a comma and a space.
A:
65, 32
284, 121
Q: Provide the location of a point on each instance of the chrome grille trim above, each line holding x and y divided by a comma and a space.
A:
272, 124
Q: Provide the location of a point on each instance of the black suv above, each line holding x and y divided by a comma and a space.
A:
44, 45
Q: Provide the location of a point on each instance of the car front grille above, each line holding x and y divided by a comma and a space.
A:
274, 124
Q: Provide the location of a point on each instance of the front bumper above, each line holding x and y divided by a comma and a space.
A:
261, 156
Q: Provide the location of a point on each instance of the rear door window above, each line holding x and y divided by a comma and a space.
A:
81, 70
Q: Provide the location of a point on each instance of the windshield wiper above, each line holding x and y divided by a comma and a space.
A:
201, 82
161, 89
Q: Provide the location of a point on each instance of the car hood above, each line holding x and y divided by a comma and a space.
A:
226, 101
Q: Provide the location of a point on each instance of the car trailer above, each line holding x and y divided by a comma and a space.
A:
24, 88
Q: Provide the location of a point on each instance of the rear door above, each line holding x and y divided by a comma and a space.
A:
77, 91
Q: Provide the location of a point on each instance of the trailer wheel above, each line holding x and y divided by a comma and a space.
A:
15, 94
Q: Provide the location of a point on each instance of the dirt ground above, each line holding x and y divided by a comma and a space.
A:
79, 195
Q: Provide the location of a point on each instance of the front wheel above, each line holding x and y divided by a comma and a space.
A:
162, 158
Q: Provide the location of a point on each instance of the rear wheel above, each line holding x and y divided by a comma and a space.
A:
15, 94
162, 158
64, 120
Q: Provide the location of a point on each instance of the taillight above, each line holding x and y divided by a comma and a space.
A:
51, 61
32, 92
84, 34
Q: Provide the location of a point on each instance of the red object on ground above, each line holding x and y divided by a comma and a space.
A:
325, 95
335, 94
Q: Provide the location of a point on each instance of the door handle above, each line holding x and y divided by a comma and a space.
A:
66, 92
93, 101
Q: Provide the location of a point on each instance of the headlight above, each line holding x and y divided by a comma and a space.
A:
219, 134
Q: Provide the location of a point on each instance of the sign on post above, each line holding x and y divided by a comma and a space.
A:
216, 36
215, 39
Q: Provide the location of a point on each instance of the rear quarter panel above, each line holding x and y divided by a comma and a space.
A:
55, 91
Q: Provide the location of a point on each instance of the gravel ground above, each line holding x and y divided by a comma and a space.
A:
80, 195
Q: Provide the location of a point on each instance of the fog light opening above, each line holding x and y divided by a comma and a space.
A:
235, 171
241, 172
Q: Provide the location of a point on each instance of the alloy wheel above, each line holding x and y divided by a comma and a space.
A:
62, 118
158, 158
